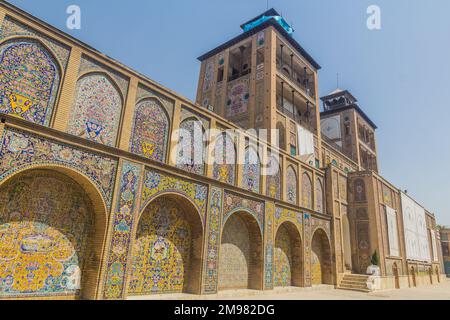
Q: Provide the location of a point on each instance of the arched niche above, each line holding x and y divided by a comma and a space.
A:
167, 250
321, 264
241, 253
52, 230
288, 256
30, 80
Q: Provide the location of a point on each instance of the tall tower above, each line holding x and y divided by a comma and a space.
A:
346, 127
264, 79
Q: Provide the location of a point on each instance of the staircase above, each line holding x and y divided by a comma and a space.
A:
354, 282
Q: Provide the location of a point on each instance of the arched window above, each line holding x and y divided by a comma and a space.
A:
224, 159
319, 196
251, 175
96, 111
307, 191
273, 185
191, 146
29, 81
151, 130
291, 185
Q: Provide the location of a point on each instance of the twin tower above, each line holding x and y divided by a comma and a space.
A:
264, 79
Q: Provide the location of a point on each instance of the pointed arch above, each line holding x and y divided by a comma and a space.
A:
54, 219
97, 109
224, 167
291, 185
321, 264
167, 251
251, 175
241, 253
191, 150
30, 81
307, 194
150, 134
288, 256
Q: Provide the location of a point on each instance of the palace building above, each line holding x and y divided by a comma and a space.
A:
100, 198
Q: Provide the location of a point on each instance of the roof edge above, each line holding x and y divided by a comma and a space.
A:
253, 31
352, 106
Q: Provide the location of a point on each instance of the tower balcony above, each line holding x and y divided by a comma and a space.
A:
292, 69
294, 105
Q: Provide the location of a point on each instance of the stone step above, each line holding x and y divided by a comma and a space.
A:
353, 289
353, 283
354, 279
356, 276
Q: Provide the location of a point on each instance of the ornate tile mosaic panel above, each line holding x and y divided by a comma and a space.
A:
224, 169
13, 28
162, 250
291, 185
122, 226
210, 277
89, 65
319, 196
145, 92
209, 76
307, 196
150, 133
234, 203
20, 150
320, 223
156, 183
251, 176
307, 246
45, 221
273, 183
269, 247
191, 147
237, 98
283, 258
387, 196
29, 81
316, 265
96, 111
283, 215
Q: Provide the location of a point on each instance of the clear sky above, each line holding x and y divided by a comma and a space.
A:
400, 74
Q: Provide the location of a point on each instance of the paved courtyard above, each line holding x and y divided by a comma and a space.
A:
434, 292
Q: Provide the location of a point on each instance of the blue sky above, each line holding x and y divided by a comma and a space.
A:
400, 74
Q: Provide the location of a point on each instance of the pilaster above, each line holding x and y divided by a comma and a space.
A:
174, 134
128, 116
68, 88
271, 81
210, 156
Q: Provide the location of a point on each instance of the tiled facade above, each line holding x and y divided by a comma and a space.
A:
100, 198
